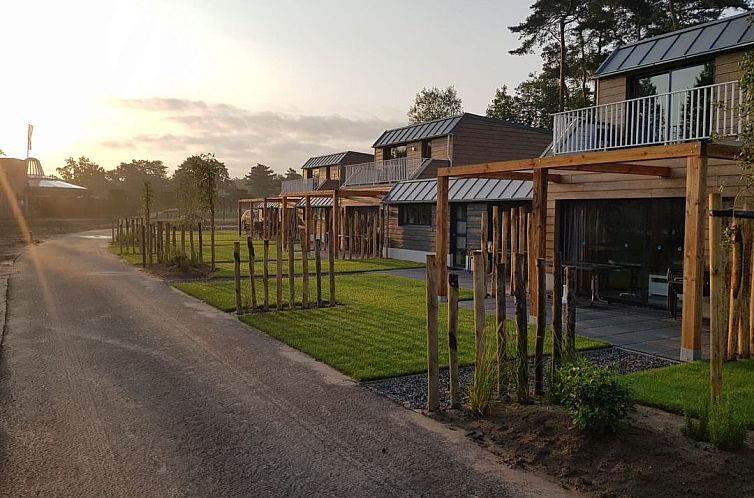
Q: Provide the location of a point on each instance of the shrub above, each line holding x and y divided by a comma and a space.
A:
697, 429
596, 398
726, 432
481, 391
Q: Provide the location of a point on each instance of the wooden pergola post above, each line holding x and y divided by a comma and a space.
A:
538, 243
693, 258
441, 235
240, 214
307, 219
284, 220
335, 221
265, 233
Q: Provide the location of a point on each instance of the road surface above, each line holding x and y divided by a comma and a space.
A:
114, 384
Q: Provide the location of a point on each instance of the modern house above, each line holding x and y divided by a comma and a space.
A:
622, 192
26, 190
452, 142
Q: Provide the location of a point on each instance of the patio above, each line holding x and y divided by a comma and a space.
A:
644, 330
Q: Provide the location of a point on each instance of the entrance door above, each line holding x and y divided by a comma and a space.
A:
458, 241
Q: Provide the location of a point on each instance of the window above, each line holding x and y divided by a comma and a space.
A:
334, 172
683, 78
415, 214
427, 148
396, 152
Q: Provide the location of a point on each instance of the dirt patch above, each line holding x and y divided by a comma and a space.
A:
650, 457
180, 272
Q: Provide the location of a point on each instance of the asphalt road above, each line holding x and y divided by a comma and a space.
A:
114, 384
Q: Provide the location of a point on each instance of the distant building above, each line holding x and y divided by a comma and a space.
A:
25, 189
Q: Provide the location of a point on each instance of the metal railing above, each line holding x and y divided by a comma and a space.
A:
672, 117
298, 185
380, 172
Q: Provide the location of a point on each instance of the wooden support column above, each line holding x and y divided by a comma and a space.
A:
335, 222
441, 234
693, 258
307, 221
284, 221
717, 312
240, 214
538, 230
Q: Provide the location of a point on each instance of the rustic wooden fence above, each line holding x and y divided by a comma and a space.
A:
158, 241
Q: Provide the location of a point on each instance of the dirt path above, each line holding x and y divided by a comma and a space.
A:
114, 384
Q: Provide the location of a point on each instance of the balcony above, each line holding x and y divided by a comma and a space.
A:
298, 185
384, 172
682, 116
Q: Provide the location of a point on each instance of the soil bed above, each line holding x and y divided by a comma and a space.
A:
648, 458
411, 390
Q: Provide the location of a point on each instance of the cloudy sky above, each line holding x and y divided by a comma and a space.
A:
250, 80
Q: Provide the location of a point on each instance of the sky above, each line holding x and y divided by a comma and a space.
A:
252, 81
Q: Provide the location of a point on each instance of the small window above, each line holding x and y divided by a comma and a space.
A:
396, 152
334, 172
427, 148
415, 214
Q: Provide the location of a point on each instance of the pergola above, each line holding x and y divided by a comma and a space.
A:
646, 161
285, 198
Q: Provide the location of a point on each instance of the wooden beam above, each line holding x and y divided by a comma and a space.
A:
520, 175
441, 235
633, 154
722, 151
693, 259
363, 193
335, 222
624, 168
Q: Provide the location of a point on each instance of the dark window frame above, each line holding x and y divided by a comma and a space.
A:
389, 152
415, 215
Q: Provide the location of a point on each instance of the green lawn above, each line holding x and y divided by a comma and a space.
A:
224, 258
377, 331
685, 387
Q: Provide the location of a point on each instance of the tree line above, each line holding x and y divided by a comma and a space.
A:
574, 37
121, 190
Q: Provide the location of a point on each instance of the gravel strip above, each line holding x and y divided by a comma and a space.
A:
411, 390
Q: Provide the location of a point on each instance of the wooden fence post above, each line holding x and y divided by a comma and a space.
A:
744, 337
318, 269
291, 271
305, 268
480, 276
557, 312
237, 275
522, 332
539, 349
252, 276
112, 231
266, 272
735, 284
120, 237
331, 265
191, 241
201, 254
279, 269
143, 247
150, 242
514, 244
455, 392
183, 240
716, 300
570, 318
501, 343
483, 247
433, 367
495, 245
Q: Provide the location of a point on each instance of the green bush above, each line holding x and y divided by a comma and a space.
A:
596, 398
697, 429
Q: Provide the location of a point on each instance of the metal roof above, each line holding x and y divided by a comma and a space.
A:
47, 182
716, 36
316, 202
419, 131
270, 205
460, 190
329, 160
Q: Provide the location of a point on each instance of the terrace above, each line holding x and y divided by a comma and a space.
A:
666, 118
384, 172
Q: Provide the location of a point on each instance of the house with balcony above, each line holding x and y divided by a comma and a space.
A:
421, 150
621, 194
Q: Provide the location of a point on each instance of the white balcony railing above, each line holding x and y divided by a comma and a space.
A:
380, 172
299, 185
672, 117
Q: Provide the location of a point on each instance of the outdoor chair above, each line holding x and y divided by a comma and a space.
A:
675, 287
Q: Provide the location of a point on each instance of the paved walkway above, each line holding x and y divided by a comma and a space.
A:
640, 329
114, 384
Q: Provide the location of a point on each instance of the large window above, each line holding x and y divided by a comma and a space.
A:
661, 119
415, 214
396, 152
427, 148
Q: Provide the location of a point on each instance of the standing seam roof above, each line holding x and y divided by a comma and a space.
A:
460, 190
715, 36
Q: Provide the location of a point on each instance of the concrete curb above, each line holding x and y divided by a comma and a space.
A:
3, 306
